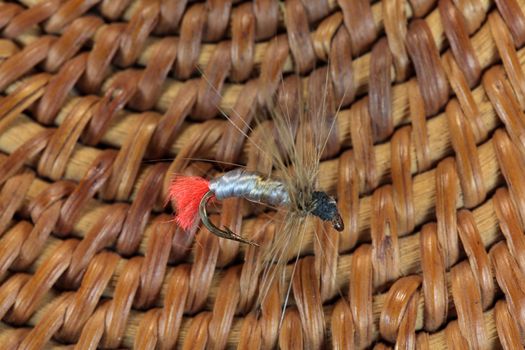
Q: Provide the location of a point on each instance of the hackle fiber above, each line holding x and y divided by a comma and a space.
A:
104, 101
186, 193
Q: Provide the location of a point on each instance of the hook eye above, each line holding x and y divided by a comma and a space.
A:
226, 232
337, 222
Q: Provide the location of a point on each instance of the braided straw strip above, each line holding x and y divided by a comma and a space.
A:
117, 136
438, 340
503, 140
46, 209
133, 85
379, 152
249, 23
77, 165
385, 308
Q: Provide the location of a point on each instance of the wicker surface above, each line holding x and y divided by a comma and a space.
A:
427, 162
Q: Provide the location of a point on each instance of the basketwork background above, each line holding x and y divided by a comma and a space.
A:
427, 162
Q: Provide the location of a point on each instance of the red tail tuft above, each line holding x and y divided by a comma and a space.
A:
186, 193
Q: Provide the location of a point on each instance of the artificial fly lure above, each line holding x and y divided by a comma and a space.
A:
295, 129
300, 135
191, 195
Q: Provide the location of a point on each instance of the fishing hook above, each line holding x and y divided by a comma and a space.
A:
226, 232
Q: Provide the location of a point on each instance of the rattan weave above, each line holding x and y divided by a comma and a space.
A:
104, 100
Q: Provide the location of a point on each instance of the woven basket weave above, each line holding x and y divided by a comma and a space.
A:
427, 161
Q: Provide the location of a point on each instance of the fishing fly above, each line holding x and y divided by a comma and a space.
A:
303, 138
294, 131
192, 194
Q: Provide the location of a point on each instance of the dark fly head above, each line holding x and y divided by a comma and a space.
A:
325, 208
